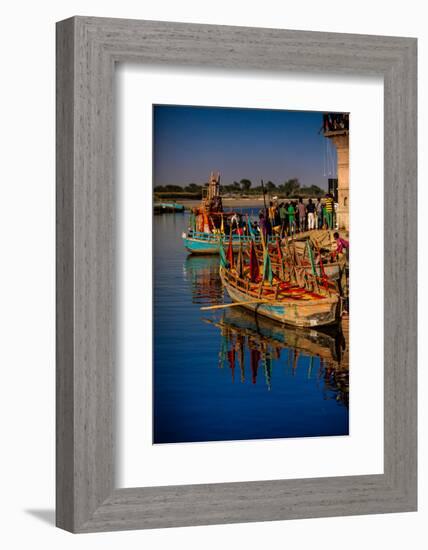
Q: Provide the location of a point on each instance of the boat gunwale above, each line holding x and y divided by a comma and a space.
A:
204, 236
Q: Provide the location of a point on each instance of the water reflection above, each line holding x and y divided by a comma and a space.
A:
202, 273
273, 382
265, 344
250, 341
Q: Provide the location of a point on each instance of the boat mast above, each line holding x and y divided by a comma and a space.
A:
214, 185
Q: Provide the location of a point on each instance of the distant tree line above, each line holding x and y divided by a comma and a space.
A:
290, 188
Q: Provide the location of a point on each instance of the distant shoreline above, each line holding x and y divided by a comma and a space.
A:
227, 203
236, 202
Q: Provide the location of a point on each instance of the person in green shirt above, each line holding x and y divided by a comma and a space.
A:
329, 209
291, 217
283, 217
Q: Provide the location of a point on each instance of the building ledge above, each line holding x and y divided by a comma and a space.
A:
341, 132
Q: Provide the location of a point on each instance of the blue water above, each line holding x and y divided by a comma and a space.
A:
226, 374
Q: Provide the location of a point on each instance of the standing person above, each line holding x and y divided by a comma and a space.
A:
342, 250
268, 227
329, 208
262, 225
296, 214
283, 217
234, 220
324, 215
342, 245
277, 219
318, 210
311, 214
291, 217
272, 212
301, 208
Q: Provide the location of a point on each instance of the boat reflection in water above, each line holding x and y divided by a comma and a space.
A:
264, 343
229, 374
203, 274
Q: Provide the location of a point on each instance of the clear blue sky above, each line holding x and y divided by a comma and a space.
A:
190, 142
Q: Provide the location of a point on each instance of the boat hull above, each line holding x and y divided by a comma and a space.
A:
309, 314
199, 246
208, 243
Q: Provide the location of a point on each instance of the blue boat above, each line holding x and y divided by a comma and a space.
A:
197, 242
168, 208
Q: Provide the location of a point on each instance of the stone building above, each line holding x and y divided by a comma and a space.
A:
336, 128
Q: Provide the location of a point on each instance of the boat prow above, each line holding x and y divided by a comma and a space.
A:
209, 243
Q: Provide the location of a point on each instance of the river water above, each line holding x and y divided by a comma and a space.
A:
228, 374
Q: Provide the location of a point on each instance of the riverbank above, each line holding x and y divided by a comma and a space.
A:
228, 203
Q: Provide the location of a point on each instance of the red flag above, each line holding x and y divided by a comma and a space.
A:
240, 262
254, 264
281, 264
229, 254
231, 357
254, 361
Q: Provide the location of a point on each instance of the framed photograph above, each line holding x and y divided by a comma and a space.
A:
236, 304
269, 249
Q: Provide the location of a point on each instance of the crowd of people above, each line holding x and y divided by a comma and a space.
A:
279, 218
296, 216
332, 122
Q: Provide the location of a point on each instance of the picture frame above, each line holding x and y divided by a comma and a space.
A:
87, 51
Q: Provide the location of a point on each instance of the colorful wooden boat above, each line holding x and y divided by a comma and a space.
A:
284, 302
209, 224
324, 247
297, 252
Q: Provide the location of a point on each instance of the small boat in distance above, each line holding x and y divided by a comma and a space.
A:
167, 208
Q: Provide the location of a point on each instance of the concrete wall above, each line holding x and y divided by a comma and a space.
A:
341, 141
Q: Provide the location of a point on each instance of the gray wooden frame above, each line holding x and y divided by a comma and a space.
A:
87, 50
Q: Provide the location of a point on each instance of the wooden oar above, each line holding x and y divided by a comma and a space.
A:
232, 304
261, 301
